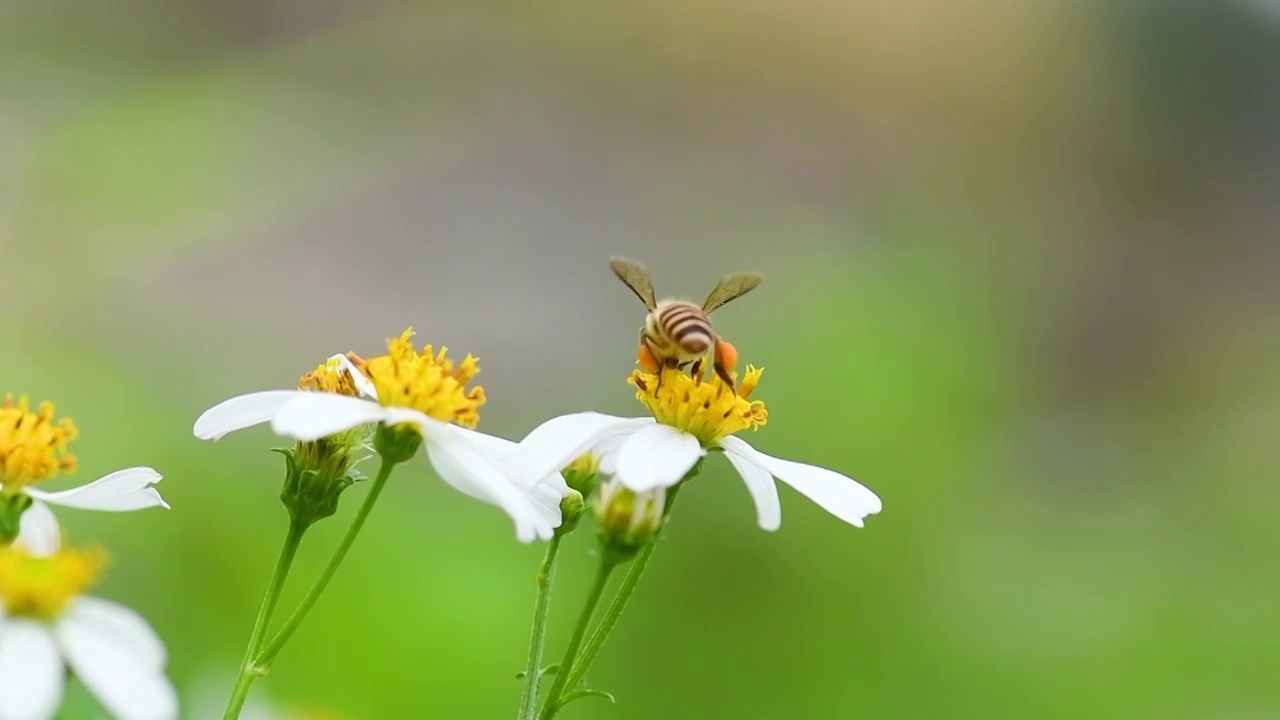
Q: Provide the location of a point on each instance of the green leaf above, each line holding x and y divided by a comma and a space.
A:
548, 670
585, 693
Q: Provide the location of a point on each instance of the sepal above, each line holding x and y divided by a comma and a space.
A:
11, 508
310, 492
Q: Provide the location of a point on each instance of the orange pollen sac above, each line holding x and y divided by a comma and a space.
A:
646, 359
726, 354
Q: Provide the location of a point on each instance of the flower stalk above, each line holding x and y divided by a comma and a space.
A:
628, 587
258, 658
248, 671
533, 669
557, 696
268, 654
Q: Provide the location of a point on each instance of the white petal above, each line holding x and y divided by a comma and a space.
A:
545, 496
128, 489
241, 412
607, 451
546, 500
763, 492
314, 415
503, 453
31, 672
494, 447
456, 477
122, 675
559, 441
363, 384
38, 531
123, 626
839, 495
450, 452
424, 422
657, 456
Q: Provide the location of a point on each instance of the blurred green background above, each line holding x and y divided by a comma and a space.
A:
1021, 270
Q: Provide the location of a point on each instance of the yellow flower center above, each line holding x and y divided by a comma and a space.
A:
330, 376
427, 382
41, 587
708, 410
32, 446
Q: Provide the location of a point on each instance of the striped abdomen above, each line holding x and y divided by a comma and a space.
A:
680, 330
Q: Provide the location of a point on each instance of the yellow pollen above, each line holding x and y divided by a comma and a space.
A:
427, 381
329, 376
40, 587
708, 410
32, 446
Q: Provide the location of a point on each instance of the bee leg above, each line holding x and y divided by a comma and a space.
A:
726, 358
723, 372
662, 370
696, 371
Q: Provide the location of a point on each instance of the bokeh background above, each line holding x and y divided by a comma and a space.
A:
1021, 270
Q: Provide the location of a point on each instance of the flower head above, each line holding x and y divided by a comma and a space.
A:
427, 382
318, 471
412, 399
339, 375
40, 587
708, 410
690, 417
33, 447
47, 625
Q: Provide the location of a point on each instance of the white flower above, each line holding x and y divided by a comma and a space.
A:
645, 454
123, 490
469, 461
47, 628
33, 449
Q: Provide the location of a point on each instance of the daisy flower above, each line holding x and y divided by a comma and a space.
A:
423, 391
47, 627
689, 418
33, 448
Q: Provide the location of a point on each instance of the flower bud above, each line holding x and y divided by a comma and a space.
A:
572, 508
583, 473
628, 520
316, 473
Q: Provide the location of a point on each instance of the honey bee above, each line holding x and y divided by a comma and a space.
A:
678, 333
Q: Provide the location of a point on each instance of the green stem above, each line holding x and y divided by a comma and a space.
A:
611, 616
248, 671
554, 699
533, 669
620, 600
264, 659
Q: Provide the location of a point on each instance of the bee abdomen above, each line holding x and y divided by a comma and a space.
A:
687, 327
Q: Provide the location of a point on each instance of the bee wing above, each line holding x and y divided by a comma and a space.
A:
731, 287
636, 277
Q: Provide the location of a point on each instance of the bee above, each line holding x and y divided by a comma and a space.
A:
678, 333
